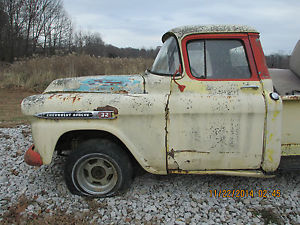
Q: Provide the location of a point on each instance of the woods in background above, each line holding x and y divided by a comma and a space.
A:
33, 26
29, 27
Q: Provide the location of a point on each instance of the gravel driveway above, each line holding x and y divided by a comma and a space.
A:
38, 195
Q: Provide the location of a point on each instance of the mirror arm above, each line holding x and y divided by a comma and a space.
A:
181, 87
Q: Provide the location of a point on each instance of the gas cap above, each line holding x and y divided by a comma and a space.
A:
274, 96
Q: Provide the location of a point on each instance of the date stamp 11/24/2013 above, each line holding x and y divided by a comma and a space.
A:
244, 193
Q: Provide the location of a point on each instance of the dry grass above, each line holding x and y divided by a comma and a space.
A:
37, 73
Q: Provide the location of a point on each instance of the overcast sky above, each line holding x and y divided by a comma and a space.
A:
137, 23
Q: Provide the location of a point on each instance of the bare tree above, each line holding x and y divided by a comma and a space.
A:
94, 45
51, 11
3, 28
15, 27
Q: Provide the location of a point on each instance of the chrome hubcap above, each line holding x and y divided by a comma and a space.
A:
96, 175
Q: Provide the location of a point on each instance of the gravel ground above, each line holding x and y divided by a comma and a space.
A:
40, 195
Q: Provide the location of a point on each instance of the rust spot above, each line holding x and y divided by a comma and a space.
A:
289, 144
51, 96
97, 80
181, 171
171, 153
121, 92
187, 151
190, 151
291, 97
113, 82
75, 98
227, 152
108, 108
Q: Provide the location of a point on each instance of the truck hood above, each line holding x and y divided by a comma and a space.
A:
118, 84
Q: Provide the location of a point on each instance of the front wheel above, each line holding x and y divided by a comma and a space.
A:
98, 168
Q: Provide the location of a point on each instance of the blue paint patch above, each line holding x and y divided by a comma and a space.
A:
108, 84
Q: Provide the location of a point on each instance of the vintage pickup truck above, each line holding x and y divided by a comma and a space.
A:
207, 106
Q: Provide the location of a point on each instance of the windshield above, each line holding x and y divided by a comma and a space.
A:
167, 60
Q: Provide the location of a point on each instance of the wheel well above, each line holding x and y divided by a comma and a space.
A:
70, 140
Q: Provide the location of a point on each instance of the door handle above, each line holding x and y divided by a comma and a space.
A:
250, 86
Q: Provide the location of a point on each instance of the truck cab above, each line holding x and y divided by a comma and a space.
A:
219, 121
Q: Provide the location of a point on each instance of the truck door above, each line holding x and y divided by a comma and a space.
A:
217, 122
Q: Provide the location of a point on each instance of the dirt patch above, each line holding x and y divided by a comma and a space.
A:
26, 133
270, 216
14, 215
10, 106
17, 215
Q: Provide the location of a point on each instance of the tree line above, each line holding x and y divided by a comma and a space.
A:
279, 61
42, 27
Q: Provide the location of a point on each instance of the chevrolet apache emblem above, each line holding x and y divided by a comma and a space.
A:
77, 115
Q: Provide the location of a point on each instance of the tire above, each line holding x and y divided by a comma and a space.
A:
98, 168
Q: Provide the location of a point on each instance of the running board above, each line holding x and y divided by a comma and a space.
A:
241, 173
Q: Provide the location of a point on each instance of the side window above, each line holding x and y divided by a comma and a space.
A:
218, 59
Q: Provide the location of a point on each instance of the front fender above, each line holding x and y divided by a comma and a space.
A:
151, 157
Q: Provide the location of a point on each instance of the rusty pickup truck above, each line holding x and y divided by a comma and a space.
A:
208, 105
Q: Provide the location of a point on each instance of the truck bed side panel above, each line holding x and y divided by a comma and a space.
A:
290, 125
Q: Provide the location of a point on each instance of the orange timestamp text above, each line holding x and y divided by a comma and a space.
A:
243, 193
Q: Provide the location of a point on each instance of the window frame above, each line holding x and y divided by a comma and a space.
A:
240, 37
